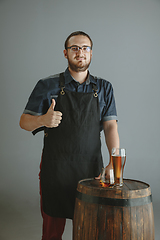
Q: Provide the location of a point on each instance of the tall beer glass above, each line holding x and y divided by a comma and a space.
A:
118, 162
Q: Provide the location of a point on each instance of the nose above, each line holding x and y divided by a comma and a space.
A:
80, 53
80, 49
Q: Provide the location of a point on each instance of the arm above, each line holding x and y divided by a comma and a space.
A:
111, 134
50, 119
112, 139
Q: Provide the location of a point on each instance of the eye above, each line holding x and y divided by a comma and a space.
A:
75, 49
85, 49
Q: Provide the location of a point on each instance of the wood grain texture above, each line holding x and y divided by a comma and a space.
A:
96, 221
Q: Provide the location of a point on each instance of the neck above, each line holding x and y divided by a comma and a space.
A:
79, 76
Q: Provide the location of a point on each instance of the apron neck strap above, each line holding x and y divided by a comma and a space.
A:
62, 84
61, 80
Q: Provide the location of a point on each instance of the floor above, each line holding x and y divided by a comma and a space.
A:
25, 224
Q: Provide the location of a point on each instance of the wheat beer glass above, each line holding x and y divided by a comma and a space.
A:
118, 162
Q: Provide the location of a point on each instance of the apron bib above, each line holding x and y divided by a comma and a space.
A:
72, 151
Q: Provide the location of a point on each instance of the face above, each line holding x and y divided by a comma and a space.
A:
78, 61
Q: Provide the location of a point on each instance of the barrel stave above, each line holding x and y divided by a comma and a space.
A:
96, 221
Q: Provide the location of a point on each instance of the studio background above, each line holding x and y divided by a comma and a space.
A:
126, 52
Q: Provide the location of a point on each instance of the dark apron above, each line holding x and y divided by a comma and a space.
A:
72, 151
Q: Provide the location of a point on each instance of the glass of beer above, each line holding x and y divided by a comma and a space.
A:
118, 162
107, 177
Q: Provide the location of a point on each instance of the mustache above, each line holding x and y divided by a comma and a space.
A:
79, 56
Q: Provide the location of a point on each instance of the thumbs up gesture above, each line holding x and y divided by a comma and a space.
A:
52, 118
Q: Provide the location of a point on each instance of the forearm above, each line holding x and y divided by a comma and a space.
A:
50, 119
111, 135
112, 139
29, 122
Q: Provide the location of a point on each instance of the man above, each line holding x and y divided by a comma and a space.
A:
72, 108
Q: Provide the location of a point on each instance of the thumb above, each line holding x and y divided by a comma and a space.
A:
53, 104
99, 177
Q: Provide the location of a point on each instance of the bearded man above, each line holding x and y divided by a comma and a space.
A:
72, 108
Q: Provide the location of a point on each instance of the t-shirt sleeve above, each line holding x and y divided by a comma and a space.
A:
109, 110
37, 103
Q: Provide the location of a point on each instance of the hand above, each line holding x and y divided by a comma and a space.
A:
107, 171
52, 118
99, 177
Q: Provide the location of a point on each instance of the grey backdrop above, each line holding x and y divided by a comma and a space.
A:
126, 36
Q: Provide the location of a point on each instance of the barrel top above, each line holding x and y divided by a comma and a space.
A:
128, 184
130, 188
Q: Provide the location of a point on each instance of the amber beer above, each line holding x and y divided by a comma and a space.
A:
118, 163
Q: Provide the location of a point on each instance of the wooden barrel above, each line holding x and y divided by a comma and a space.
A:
113, 214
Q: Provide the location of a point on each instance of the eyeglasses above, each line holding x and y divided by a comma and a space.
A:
85, 49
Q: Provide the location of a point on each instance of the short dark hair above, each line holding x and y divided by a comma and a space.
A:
76, 34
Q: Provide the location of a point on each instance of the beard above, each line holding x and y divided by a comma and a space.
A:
78, 66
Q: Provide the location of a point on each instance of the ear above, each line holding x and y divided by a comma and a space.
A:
91, 53
65, 53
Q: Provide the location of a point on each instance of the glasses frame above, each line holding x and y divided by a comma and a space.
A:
87, 47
